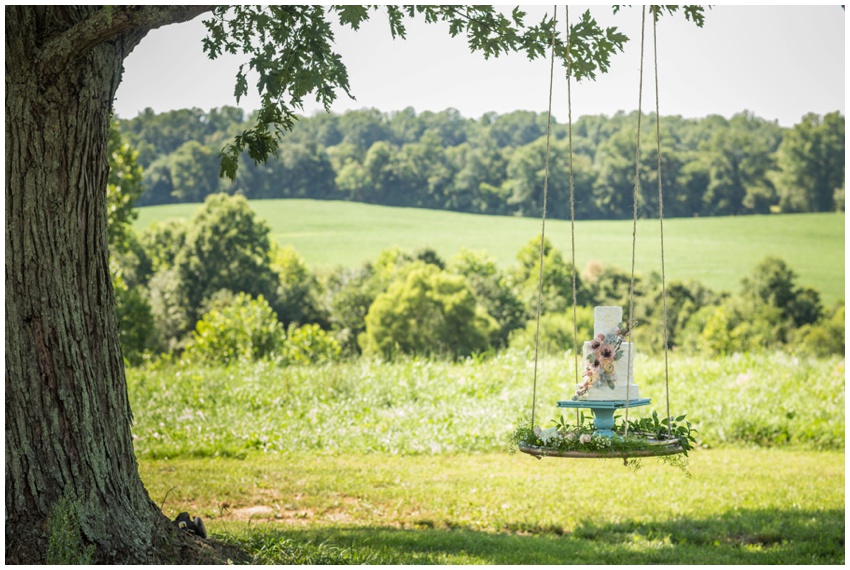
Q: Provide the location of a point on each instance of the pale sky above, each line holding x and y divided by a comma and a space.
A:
780, 62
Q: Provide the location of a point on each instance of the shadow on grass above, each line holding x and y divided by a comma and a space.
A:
737, 537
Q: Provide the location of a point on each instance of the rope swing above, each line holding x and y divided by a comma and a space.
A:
653, 446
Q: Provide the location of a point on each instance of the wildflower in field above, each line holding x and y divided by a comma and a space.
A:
743, 379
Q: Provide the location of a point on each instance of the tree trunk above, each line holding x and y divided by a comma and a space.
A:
68, 418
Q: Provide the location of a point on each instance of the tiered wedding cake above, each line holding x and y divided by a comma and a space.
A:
608, 367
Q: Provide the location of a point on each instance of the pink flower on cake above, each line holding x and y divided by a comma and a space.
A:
605, 349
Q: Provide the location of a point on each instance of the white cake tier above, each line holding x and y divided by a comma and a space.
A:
606, 319
606, 393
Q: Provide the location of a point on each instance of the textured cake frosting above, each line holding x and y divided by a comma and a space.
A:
606, 322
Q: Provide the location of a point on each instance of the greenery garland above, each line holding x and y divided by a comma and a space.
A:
644, 434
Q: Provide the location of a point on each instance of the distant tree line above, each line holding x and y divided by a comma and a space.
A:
495, 164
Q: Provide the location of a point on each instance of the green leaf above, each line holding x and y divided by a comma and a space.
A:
351, 15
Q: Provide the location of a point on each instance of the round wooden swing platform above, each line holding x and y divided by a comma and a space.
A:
603, 411
658, 448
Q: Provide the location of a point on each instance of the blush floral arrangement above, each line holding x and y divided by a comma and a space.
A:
605, 350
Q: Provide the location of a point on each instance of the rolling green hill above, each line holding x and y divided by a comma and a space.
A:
715, 251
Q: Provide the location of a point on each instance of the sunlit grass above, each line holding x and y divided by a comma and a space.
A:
738, 506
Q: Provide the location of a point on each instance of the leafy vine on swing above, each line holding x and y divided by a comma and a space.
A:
643, 434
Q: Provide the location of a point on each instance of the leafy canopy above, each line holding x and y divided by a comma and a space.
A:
290, 48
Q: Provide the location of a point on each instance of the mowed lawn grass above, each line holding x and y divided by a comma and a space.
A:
740, 506
718, 252
407, 462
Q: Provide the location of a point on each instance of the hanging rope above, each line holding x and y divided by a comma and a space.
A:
661, 220
634, 223
634, 214
572, 202
543, 222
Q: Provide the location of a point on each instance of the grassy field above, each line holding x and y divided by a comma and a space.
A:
714, 251
407, 462
738, 507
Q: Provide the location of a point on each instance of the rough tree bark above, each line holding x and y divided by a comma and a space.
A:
68, 418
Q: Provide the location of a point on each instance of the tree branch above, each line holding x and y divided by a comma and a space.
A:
110, 22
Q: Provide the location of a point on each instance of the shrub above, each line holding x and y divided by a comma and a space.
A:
162, 241
684, 299
492, 291
609, 285
135, 319
825, 337
773, 282
556, 332
557, 290
247, 329
309, 344
168, 306
350, 293
736, 326
428, 312
299, 290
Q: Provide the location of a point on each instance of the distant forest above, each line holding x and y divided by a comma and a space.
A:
712, 166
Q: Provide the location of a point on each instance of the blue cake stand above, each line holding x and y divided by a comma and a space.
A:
603, 411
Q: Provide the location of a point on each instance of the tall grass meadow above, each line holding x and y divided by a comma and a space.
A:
417, 406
